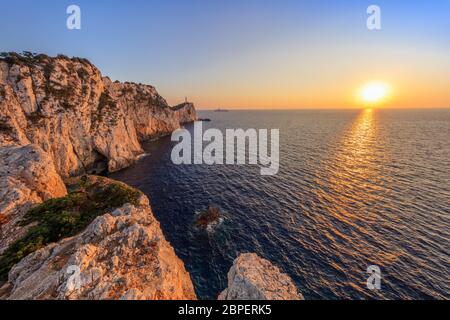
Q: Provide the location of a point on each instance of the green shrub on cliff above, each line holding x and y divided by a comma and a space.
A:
60, 218
24, 59
106, 106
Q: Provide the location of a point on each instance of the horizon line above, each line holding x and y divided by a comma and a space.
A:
316, 108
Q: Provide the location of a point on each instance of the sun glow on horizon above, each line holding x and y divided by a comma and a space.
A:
374, 93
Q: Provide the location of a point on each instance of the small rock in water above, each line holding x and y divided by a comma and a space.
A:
209, 218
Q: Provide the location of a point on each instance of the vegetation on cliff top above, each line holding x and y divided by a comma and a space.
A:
47, 65
29, 58
60, 218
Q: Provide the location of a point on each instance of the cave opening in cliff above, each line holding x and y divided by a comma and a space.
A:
99, 166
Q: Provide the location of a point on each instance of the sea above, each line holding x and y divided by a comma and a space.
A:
355, 189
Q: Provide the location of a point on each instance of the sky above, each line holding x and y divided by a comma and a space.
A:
250, 54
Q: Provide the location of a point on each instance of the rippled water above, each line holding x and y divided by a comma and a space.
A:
355, 188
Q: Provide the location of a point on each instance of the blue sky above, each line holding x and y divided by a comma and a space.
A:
235, 53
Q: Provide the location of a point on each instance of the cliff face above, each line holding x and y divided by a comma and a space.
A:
122, 254
27, 177
85, 122
254, 278
59, 118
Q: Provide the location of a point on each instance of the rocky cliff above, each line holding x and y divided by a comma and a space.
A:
254, 278
83, 121
60, 118
27, 178
122, 254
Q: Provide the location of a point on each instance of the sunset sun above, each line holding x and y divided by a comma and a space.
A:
374, 92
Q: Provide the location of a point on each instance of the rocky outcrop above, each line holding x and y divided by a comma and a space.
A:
27, 177
85, 122
209, 219
121, 255
59, 117
254, 278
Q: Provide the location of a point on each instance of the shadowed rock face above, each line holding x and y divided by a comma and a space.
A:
254, 278
120, 255
77, 116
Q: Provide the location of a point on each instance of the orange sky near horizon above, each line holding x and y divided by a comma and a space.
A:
403, 95
420, 90
416, 80
271, 54
322, 73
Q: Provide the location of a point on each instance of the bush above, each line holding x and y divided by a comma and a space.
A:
82, 73
62, 56
24, 59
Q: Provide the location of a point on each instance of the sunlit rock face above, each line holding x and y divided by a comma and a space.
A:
254, 278
85, 122
120, 255
27, 177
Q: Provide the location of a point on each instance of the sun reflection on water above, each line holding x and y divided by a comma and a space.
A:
348, 189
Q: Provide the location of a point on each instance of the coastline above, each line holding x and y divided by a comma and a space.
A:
97, 124
61, 119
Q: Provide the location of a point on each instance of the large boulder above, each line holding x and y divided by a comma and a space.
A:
254, 278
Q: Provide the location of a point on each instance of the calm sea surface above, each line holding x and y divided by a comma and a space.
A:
355, 188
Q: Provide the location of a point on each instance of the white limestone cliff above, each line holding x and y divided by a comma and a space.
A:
85, 122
